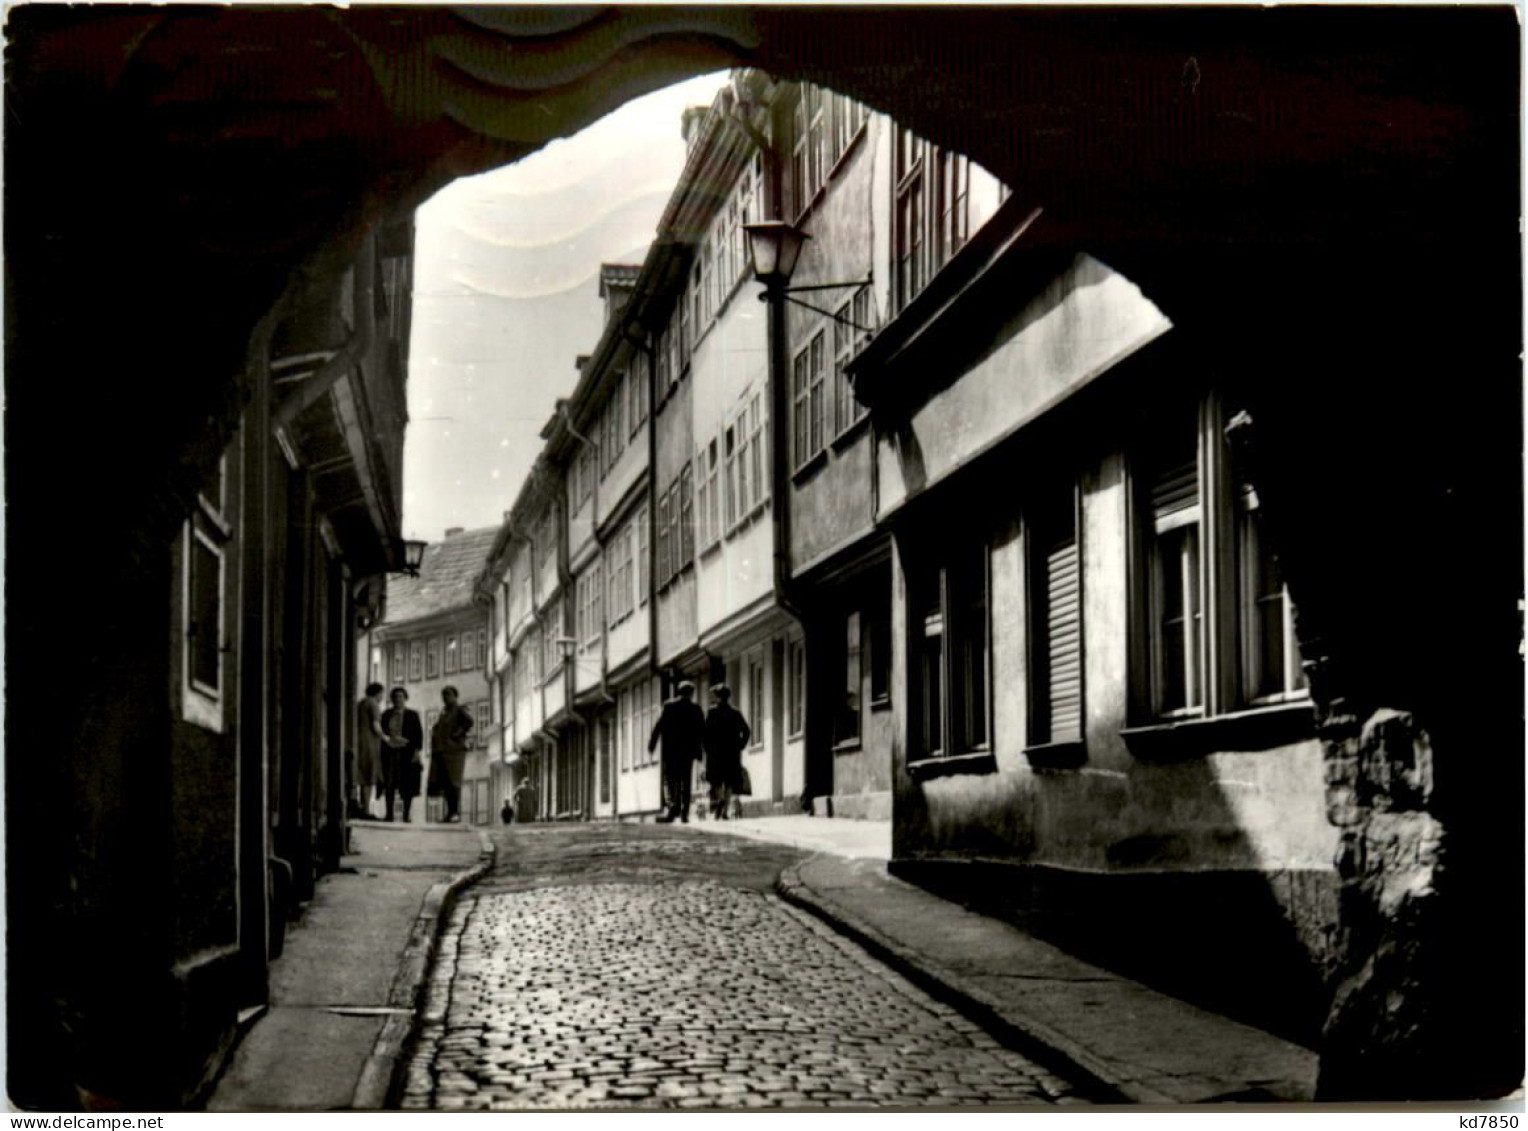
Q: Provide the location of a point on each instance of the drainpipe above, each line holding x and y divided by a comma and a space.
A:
343, 363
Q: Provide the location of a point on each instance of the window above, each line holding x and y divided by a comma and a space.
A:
665, 557
1055, 622
581, 476
952, 656
613, 427
589, 613
432, 657
666, 375
795, 663
637, 387
1270, 655
1209, 578
481, 723
933, 211
729, 476
482, 649
453, 655
686, 537
756, 707
847, 341
707, 501
416, 660
376, 666
207, 535
552, 632
400, 669
682, 339
808, 159
619, 602
642, 563
746, 465
1176, 586
846, 716
204, 620
807, 400
624, 729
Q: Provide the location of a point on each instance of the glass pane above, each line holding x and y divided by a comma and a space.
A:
206, 614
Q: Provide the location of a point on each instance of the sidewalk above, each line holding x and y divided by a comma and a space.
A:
1136, 1043
351, 973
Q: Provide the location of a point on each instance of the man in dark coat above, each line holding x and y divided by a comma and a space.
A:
726, 735
679, 728
402, 744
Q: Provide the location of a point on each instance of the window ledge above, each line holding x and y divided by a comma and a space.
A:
810, 467
1057, 755
881, 704
851, 433
1259, 729
848, 746
978, 762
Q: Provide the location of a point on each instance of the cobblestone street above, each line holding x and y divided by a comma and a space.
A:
636, 966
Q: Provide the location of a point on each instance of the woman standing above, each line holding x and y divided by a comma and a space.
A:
402, 752
448, 750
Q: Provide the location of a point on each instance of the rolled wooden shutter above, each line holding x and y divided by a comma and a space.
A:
1062, 691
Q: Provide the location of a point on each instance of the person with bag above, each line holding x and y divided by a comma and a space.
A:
448, 751
679, 728
402, 752
726, 734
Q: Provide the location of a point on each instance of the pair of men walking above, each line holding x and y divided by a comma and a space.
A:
687, 735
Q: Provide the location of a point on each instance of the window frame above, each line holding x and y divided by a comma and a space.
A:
1049, 526
1226, 636
936, 599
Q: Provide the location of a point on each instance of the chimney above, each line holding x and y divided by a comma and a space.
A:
453, 531
581, 361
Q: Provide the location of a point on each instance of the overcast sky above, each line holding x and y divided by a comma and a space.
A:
506, 296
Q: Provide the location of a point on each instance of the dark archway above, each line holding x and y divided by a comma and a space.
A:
1326, 198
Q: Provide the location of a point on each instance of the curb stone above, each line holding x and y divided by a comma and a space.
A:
1055, 1051
376, 1086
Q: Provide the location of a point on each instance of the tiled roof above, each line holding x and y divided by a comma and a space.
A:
445, 580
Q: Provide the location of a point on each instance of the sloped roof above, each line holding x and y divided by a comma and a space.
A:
446, 577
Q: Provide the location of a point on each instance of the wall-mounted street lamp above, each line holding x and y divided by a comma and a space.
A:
410, 553
773, 249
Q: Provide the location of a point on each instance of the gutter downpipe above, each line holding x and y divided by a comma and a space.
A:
594, 509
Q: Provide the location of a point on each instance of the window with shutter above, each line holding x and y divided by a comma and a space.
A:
1055, 623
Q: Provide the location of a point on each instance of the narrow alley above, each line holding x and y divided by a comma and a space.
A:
1020, 465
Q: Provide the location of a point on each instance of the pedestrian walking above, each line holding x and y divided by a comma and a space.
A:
725, 736
524, 799
679, 728
402, 752
368, 766
507, 812
448, 750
